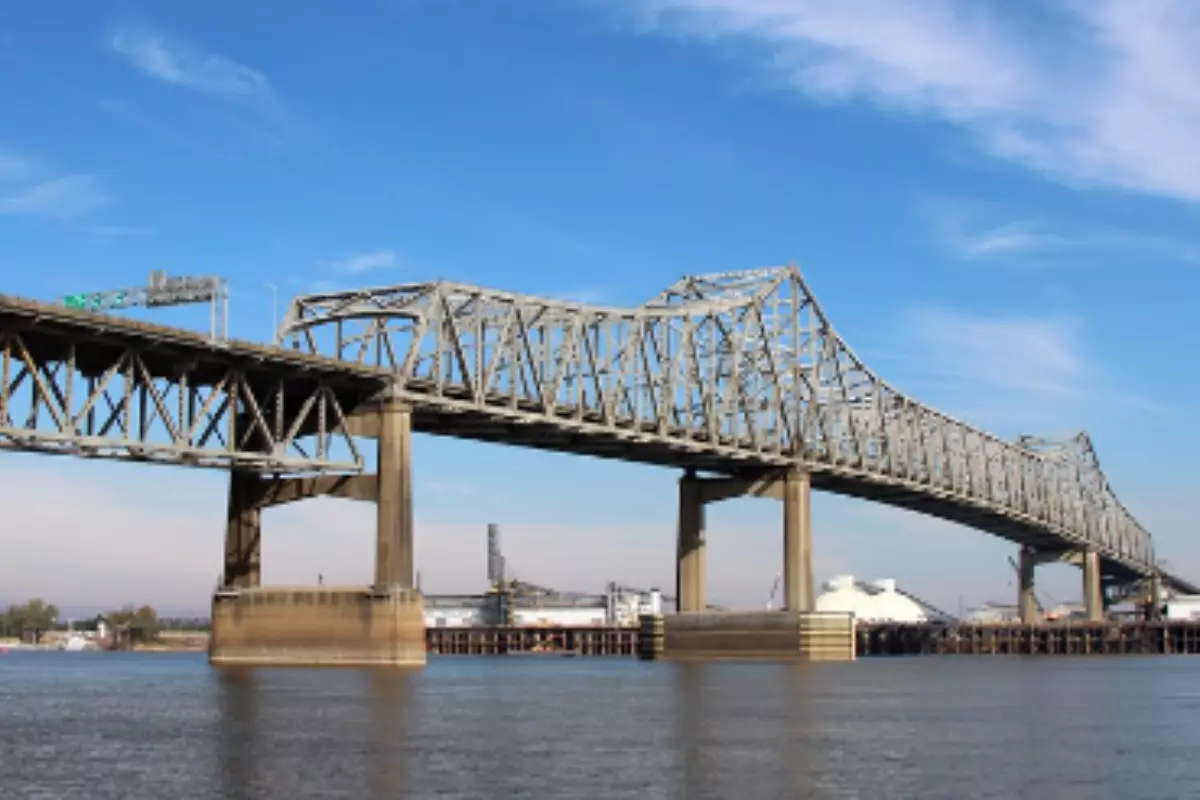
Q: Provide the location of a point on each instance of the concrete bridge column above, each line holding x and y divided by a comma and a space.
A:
689, 554
1093, 596
243, 532
394, 517
797, 542
1026, 591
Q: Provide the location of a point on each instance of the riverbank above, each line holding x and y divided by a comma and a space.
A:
166, 642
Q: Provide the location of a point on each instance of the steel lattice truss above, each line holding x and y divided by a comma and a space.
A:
80, 384
741, 366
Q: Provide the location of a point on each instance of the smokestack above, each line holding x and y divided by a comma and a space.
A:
495, 560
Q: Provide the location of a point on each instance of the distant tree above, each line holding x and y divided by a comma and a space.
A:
35, 617
142, 624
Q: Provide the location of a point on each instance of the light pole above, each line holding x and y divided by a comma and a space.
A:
274, 311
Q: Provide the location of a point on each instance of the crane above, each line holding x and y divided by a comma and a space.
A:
774, 591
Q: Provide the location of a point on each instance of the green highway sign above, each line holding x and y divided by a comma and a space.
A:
95, 301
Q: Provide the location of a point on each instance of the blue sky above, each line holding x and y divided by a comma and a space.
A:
995, 205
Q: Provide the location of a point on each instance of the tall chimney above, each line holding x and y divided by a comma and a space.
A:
495, 560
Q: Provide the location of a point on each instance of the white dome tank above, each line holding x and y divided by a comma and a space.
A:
842, 596
889, 605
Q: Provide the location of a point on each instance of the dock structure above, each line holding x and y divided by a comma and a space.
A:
508, 640
822, 639
1153, 637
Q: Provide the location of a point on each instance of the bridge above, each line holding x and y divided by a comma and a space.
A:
736, 379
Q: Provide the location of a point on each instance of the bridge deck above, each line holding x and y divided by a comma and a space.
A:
83, 384
44, 326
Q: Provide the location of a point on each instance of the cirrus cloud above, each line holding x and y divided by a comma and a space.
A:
180, 64
1095, 93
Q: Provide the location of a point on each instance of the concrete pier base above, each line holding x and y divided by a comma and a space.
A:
317, 626
752, 635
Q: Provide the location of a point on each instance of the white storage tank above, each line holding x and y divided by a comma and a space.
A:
880, 602
842, 596
888, 605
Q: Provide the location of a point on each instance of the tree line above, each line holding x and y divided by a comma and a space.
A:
142, 624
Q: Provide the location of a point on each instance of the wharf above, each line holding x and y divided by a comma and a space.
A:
1166, 637
562, 641
1163, 637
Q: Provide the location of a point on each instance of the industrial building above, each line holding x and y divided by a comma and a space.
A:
516, 603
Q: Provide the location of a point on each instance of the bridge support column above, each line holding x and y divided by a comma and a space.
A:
797, 542
380, 625
1027, 604
1093, 596
243, 532
689, 554
794, 633
394, 517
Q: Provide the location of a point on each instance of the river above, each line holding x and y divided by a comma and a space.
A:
109, 726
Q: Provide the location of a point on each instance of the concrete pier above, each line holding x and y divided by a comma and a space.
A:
1093, 581
317, 626
378, 625
749, 636
690, 569
394, 521
1027, 602
797, 542
243, 532
793, 488
791, 634
1093, 596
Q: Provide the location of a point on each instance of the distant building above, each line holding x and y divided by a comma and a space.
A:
614, 608
1183, 606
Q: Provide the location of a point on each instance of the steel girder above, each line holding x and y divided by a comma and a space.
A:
82, 384
742, 364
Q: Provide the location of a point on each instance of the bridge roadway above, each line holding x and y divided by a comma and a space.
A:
738, 375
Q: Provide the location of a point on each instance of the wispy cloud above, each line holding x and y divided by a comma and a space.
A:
365, 262
63, 197
1040, 357
1022, 236
1100, 94
984, 231
178, 63
1023, 372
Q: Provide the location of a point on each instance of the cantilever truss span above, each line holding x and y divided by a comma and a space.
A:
87, 385
738, 373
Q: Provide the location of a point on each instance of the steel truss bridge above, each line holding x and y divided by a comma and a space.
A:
738, 374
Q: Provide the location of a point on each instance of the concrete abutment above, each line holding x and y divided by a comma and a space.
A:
378, 625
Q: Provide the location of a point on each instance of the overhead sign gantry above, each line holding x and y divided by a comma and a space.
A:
161, 291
